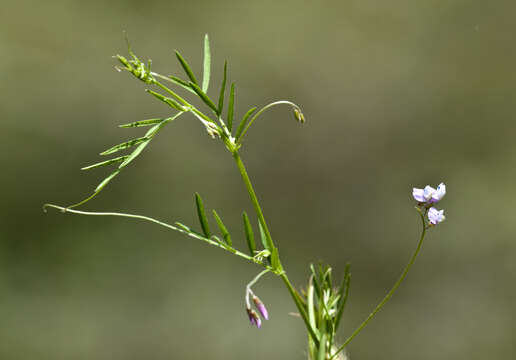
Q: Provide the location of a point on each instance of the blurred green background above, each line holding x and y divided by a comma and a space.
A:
396, 94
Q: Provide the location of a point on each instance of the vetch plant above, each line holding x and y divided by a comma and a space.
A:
321, 304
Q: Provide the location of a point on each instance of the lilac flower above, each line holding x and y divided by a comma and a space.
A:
261, 307
254, 318
439, 193
429, 195
435, 216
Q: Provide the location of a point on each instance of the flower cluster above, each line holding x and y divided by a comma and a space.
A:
429, 196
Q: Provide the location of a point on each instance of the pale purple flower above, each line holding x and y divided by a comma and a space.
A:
435, 216
423, 195
439, 193
429, 195
261, 307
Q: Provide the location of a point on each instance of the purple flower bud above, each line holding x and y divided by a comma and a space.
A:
261, 307
435, 216
254, 318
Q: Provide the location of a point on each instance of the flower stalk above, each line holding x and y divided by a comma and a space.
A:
391, 291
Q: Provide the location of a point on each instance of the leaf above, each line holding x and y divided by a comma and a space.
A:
321, 274
310, 303
189, 230
147, 122
183, 226
104, 163
231, 106
128, 158
181, 82
153, 130
343, 295
134, 154
223, 89
222, 243
204, 97
202, 216
124, 145
223, 229
327, 277
106, 181
322, 348
315, 282
186, 68
263, 237
166, 100
206, 65
249, 235
242, 124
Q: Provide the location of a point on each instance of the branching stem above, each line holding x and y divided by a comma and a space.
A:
146, 218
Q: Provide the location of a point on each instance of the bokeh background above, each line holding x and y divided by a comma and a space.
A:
396, 94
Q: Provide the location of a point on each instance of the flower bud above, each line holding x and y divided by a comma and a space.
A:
261, 307
299, 116
212, 129
254, 318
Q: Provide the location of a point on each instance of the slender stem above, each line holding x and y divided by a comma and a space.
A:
253, 197
83, 201
257, 277
146, 218
201, 114
389, 294
261, 218
261, 111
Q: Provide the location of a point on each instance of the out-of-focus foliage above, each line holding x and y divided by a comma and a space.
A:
396, 94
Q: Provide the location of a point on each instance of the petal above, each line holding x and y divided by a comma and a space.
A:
261, 307
418, 194
433, 215
263, 310
439, 193
441, 216
428, 191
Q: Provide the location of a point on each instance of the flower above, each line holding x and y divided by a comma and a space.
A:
435, 216
429, 195
439, 193
261, 307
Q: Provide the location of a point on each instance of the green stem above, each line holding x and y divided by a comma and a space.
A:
257, 277
146, 218
261, 218
389, 294
261, 111
253, 197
